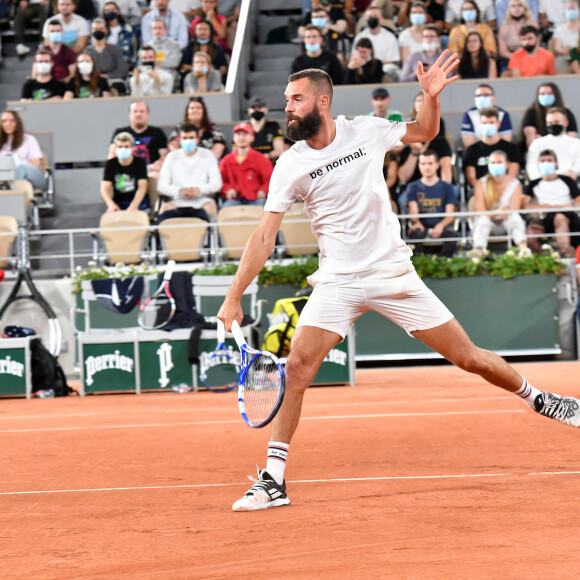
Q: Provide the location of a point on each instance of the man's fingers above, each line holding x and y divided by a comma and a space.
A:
442, 57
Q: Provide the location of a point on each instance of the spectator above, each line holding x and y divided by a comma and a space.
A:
231, 10
471, 122
175, 24
28, 10
566, 35
209, 13
411, 38
333, 41
431, 195
124, 184
190, 177
552, 14
575, 59
203, 78
108, 57
120, 32
44, 86
189, 8
14, 141
245, 173
477, 155
530, 60
385, 14
552, 191
381, 100
268, 138
64, 58
509, 40
167, 51
454, 12
316, 57
336, 17
75, 27
566, 148
202, 41
474, 62
148, 77
434, 11
87, 82
126, 11
498, 190
209, 136
363, 67
430, 53
502, 9
470, 18
412, 116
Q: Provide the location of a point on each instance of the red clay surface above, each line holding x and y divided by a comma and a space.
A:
414, 473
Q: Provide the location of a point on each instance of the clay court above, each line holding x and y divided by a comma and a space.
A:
422, 472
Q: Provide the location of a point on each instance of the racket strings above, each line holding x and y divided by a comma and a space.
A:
157, 312
220, 372
262, 388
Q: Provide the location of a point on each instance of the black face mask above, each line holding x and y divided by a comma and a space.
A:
529, 48
258, 115
98, 35
373, 22
518, 17
150, 65
555, 130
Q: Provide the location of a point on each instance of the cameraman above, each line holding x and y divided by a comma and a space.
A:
149, 78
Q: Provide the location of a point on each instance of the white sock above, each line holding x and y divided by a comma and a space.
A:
276, 462
528, 394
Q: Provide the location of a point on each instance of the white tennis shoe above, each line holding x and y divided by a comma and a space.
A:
265, 493
563, 409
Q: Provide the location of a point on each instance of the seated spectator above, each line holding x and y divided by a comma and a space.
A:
167, 51
502, 9
209, 12
434, 12
44, 86
203, 78
190, 176
108, 57
268, 138
470, 18
332, 40
87, 82
471, 122
509, 40
203, 41
28, 156
552, 14
474, 62
381, 100
530, 60
534, 121
121, 33
498, 190
385, 14
175, 23
189, 8
411, 38
126, 11
209, 136
454, 13
431, 195
28, 10
64, 58
335, 16
124, 184
363, 67
430, 53
566, 35
75, 27
317, 57
245, 172
412, 116
550, 191
476, 156
148, 77
566, 148
575, 59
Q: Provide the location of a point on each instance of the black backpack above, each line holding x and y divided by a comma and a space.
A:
46, 371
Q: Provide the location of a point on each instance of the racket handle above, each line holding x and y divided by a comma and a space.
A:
221, 332
169, 270
238, 335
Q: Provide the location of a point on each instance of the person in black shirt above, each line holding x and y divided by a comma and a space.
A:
268, 138
363, 67
87, 82
44, 87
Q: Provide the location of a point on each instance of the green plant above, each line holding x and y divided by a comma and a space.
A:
119, 270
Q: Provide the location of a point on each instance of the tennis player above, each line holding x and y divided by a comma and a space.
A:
335, 167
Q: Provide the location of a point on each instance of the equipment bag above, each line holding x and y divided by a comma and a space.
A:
46, 371
283, 322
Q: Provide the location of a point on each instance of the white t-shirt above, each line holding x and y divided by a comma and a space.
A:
406, 39
385, 44
346, 197
553, 192
78, 26
567, 150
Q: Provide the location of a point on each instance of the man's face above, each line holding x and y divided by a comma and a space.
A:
374, 13
124, 145
303, 120
485, 92
243, 139
529, 39
199, 62
257, 108
99, 26
54, 28
547, 159
319, 13
148, 57
161, 5
556, 119
381, 105
430, 37
490, 121
312, 37
428, 165
138, 114
188, 135
158, 29
66, 7
44, 58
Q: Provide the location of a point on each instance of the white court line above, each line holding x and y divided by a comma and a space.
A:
229, 421
297, 481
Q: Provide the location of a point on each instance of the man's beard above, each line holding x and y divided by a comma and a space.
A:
303, 128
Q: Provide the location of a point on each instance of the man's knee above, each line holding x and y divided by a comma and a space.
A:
471, 361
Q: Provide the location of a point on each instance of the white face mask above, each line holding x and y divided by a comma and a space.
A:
430, 46
43, 68
85, 68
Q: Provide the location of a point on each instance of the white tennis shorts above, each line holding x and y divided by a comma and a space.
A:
405, 300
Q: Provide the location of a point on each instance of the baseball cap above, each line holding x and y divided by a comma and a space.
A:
244, 127
380, 93
257, 102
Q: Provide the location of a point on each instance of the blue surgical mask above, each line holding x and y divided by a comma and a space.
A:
188, 145
320, 22
546, 100
483, 102
202, 41
162, 39
571, 14
496, 169
55, 37
312, 47
547, 168
417, 19
488, 130
469, 15
124, 153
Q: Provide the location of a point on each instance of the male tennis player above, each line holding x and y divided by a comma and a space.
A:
335, 167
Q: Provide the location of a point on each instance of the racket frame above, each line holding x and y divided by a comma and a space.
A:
220, 350
163, 287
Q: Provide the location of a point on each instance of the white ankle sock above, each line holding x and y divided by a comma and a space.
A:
276, 462
528, 394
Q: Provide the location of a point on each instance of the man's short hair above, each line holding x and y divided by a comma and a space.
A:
560, 110
312, 27
549, 152
45, 52
148, 48
138, 102
159, 20
529, 29
204, 55
189, 128
485, 86
432, 28
317, 77
124, 137
429, 153
490, 112
55, 22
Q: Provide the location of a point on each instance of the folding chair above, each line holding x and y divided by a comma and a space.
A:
235, 226
123, 245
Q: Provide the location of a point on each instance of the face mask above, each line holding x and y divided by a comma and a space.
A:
124, 153
320, 22
496, 169
373, 22
43, 68
469, 15
555, 129
258, 115
98, 35
148, 66
430, 46
203, 69
547, 168
55, 37
85, 68
200, 41
518, 17
110, 15
161, 39
546, 100
529, 48
571, 14
312, 47
483, 102
417, 19
488, 130
188, 145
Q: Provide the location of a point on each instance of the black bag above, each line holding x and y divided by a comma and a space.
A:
46, 371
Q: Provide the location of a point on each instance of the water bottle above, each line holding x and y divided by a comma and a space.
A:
45, 394
182, 388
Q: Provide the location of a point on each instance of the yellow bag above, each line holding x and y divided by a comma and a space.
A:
283, 322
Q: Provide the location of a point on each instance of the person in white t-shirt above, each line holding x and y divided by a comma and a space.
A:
335, 168
75, 28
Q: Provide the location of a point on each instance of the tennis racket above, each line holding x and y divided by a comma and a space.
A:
262, 383
219, 370
158, 310
30, 309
